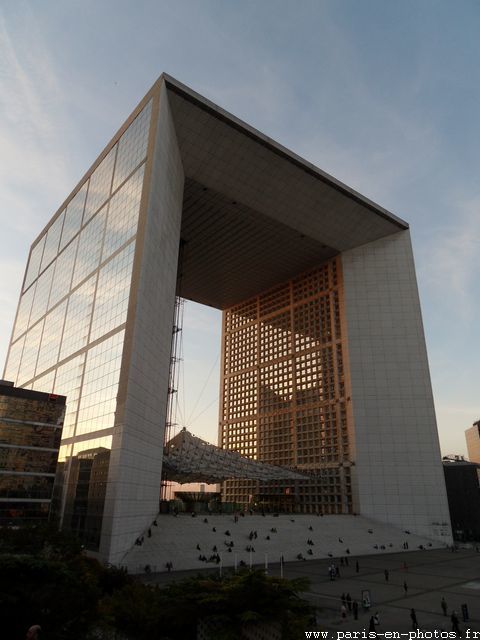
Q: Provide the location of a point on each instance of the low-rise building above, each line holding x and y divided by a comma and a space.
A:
30, 433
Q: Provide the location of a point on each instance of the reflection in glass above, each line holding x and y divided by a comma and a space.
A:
23, 314
82, 298
90, 247
73, 215
42, 293
30, 354
79, 310
52, 241
68, 383
85, 494
100, 185
52, 333
62, 277
100, 386
132, 148
13, 361
123, 214
113, 291
34, 262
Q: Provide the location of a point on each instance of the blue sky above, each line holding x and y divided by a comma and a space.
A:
384, 95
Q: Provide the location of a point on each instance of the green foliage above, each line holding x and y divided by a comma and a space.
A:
46, 592
45, 540
173, 612
46, 579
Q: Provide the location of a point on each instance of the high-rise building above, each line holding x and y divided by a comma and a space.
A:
462, 480
324, 359
30, 433
472, 436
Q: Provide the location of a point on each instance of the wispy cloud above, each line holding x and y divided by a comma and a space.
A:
450, 266
32, 127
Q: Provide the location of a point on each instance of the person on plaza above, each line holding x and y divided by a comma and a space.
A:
343, 599
405, 587
454, 620
371, 624
443, 604
357, 567
386, 574
348, 599
376, 619
32, 633
337, 571
355, 610
343, 612
413, 618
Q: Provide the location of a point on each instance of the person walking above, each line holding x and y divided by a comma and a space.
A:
454, 620
371, 624
343, 598
343, 612
443, 604
355, 610
357, 567
405, 587
348, 599
413, 618
386, 574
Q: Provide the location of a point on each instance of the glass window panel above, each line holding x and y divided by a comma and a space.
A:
113, 290
27, 460
52, 241
62, 277
24, 309
77, 323
132, 147
34, 262
90, 247
42, 292
100, 183
73, 215
52, 334
94, 443
29, 435
44, 383
123, 212
68, 383
18, 486
100, 385
13, 362
30, 353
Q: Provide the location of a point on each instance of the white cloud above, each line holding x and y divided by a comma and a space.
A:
450, 264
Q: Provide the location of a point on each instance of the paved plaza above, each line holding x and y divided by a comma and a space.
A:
430, 575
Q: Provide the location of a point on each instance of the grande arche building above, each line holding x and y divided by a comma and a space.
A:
324, 365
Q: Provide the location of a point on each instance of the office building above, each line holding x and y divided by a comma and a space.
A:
30, 433
462, 479
472, 436
260, 230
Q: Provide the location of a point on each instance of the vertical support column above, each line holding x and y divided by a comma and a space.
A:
398, 463
136, 460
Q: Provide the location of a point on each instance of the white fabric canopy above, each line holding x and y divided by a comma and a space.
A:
190, 459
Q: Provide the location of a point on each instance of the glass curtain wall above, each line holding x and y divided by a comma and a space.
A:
68, 334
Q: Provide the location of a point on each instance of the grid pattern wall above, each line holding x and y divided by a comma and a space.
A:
68, 335
283, 398
30, 432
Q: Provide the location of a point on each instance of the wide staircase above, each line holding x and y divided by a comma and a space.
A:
226, 540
